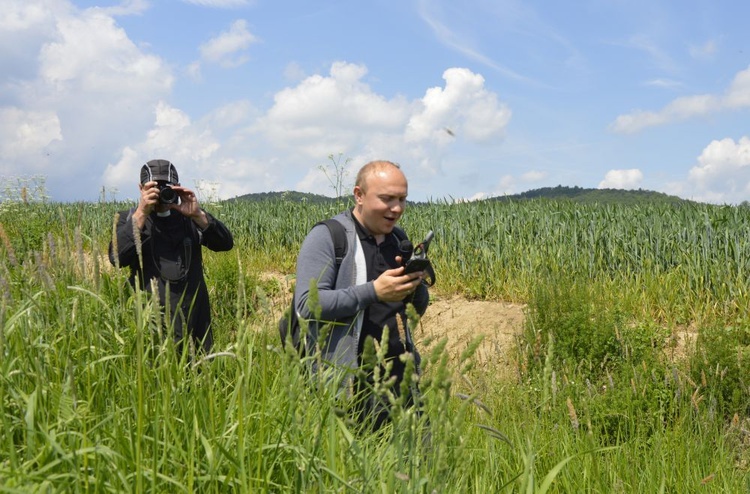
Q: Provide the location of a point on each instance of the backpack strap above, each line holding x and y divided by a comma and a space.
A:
340, 243
289, 323
338, 234
399, 233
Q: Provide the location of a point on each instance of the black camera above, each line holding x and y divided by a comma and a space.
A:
415, 258
167, 195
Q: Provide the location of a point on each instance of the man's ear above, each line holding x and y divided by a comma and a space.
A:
358, 193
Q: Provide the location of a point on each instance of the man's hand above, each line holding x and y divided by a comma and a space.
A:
148, 201
189, 206
393, 285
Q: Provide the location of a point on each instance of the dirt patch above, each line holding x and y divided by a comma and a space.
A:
461, 321
457, 319
681, 343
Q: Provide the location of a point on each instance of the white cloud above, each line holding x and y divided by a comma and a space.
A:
622, 179
736, 96
533, 176
476, 197
320, 116
222, 4
519, 24
228, 48
193, 71
464, 106
78, 97
215, 155
648, 45
453, 40
294, 72
663, 83
509, 184
127, 7
20, 16
340, 113
505, 186
26, 133
723, 172
85, 106
93, 55
24, 28
704, 51
173, 137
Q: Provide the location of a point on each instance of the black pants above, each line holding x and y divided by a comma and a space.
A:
373, 410
190, 318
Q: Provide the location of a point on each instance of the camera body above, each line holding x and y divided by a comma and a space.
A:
413, 265
415, 258
167, 195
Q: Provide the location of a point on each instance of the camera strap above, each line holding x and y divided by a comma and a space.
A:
174, 269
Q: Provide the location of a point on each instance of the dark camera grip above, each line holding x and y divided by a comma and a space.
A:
415, 265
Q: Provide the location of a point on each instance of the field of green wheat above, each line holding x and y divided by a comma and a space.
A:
607, 398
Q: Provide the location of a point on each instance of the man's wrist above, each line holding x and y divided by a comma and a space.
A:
139, 218
201, 219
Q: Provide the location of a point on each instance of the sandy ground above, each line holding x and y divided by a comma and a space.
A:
461, 321
500, 323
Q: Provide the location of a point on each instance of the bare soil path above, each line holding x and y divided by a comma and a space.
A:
461, 321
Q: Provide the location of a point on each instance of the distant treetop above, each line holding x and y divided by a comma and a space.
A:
575, 194
288, 195
601, 196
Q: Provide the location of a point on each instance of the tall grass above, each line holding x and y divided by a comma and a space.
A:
93, 399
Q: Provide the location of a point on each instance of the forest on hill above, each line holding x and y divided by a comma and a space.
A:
560, 192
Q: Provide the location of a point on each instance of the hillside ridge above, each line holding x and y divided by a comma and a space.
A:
560, 192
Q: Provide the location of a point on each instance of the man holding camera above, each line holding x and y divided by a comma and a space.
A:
161, 239
369, 290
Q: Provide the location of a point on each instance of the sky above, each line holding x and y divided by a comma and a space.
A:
473, 99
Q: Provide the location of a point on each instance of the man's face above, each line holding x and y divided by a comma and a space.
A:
381, 200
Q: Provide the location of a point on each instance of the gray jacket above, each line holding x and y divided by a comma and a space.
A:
342, 296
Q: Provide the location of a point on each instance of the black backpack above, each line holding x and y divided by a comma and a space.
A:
289, 323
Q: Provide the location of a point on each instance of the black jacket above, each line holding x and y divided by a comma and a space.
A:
171, 254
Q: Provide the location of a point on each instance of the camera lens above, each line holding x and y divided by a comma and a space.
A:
167, 195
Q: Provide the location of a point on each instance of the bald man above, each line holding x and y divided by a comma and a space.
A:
369, 291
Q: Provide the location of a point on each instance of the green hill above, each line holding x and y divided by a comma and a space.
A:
288, 195
602, 196
576, 194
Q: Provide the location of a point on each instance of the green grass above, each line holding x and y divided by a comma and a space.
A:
92, 401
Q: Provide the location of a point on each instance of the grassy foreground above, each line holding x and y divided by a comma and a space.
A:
91, 400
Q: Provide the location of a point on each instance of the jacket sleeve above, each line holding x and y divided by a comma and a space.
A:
126, 244
316, 261
216, 236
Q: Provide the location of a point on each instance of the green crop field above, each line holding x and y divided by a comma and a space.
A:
604, 398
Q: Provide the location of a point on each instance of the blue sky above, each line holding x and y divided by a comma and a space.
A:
474, 99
